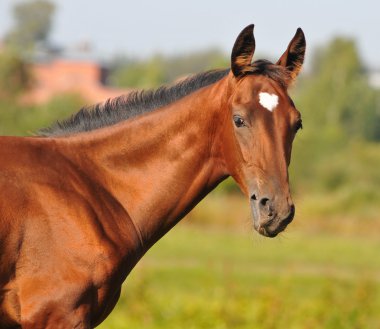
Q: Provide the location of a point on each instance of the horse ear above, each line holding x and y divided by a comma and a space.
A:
292, 58
242, 52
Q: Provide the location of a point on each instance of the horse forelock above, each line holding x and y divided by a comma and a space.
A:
273, 71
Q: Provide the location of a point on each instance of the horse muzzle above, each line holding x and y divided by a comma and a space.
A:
268, 219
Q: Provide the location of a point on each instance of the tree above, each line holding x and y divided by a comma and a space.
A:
158, 70
33, 20
337, 95
15, 75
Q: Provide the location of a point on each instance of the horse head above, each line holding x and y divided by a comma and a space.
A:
262, 123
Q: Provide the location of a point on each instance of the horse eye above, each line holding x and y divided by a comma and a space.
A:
239, 122
298, 125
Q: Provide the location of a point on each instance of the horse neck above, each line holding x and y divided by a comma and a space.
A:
160, 165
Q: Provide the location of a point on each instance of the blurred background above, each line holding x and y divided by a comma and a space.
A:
213, 270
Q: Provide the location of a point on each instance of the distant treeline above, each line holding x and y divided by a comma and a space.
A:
158, 70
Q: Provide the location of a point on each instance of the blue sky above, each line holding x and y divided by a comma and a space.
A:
141, 28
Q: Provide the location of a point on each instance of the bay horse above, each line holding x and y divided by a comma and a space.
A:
83, 201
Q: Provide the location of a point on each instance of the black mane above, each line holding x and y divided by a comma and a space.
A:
133, 104
138, 102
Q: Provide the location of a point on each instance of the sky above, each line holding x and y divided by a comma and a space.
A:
142, 28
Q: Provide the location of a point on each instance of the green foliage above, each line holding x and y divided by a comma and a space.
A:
33, 21
159, 70
23, 120
140, 74
332, 155
336, 95
15, 75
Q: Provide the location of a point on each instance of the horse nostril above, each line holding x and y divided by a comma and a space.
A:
264, 201
253, 197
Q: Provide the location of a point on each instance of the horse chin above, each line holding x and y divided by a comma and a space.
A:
274, 227
271, 228
268, 233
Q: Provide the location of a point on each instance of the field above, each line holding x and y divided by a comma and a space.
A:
214, 271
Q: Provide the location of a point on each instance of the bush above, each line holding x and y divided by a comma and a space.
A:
15, 75
16, 119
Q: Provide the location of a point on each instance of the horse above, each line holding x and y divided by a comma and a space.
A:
83, 200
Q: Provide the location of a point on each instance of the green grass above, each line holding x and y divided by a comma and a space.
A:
223, 275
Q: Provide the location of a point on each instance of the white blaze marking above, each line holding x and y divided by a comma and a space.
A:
269, 101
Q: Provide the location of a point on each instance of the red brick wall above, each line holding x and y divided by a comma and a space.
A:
64, 76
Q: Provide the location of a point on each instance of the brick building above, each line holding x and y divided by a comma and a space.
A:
62, 75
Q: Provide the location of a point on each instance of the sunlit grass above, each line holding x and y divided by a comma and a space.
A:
221, 274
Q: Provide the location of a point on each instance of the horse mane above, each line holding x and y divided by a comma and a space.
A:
139, 102
130, 105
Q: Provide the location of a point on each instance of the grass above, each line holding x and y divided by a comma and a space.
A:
220, 274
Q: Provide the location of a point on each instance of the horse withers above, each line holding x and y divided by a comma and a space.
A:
84, 201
